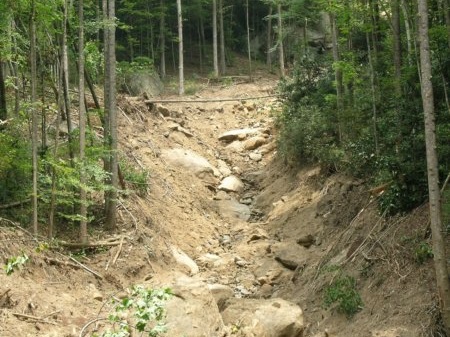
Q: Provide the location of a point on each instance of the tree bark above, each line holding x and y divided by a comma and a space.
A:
439, 249
337, 72
223, 66
3, 108
214, 24
280, 42
82, 124
397, 47
162, 41
249, 50
180, 50
34, 119
110, 111
269, 38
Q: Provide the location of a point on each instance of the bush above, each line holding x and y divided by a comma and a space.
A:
343, 291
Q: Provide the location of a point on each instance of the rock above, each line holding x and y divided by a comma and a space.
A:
95, 293
235, 146
240, 261
208, 259
223, 168
233, 209
254, 142
255, 156
306, 240
183, 259
222, 195
177, 127
232, 135
221, 294
289, 255
192, 311
265, 291
139, 83
190, 161
265, 318
231, 184
258, 234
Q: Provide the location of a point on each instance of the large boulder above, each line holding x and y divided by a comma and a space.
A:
192, 311
190, 161
232, 209
231, 184
145, 83
265, 318
238, 134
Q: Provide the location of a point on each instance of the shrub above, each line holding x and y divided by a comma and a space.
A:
343, 291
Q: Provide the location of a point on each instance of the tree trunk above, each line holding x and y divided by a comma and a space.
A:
180, 49
82, 124
269, 38
34, 119
249, 50
337, 73
397, 47
280, 42
214, 24
439, 250
110, 112
223, 66
162, 41
3, 108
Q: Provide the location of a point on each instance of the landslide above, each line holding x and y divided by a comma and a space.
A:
304, 229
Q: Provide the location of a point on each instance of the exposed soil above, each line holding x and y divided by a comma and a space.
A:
307, 228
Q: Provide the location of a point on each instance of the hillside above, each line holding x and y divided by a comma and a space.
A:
274, 233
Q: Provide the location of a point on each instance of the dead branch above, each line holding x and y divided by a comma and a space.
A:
79, 245
118, 252
87, 269
230, 99
91, 322
14, 204
33, 318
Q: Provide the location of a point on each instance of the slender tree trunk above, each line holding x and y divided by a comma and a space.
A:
337, 73
110, 111
34, 119
200, 47
446, 8
280, 42
439, 249
180, 49
249, 50
82, 124
406, 19
214, 25
162, 40
374, 95
3, 108
223, 66
269, 38
397, 47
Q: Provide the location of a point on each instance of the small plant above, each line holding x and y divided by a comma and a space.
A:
343, 291
135, 178
15, 262
142, 311
423, 252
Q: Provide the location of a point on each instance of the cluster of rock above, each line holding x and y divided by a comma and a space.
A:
208, 302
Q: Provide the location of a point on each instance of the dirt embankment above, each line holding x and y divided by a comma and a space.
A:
278, 233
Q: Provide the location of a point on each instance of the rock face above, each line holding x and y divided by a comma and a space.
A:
265, 318
190, 161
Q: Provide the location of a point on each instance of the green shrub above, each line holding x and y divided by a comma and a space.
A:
343, 292
142, 311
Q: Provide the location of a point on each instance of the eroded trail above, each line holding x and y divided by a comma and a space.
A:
247, 244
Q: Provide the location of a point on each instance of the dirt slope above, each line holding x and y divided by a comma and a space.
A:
306, 229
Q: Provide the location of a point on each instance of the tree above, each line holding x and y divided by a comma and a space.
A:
223, 67
3, 108
439, 244
34, 119
82, 124
249, 49
110, 113
180, 49
280, 41
214, 25
162, 40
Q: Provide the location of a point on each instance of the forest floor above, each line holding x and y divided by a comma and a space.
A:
303, 230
